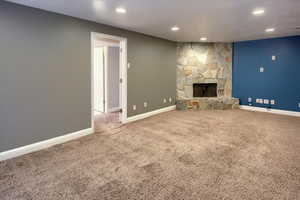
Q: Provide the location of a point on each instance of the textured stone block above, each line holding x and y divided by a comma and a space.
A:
207, 103
188, 91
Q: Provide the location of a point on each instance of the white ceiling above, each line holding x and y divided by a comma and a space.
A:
218, 20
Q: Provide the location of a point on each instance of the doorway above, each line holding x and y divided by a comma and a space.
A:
109, 81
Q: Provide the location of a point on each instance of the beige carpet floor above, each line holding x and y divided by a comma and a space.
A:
179, 155
107, 122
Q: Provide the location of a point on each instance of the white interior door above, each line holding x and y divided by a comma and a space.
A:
99, 79
113, 78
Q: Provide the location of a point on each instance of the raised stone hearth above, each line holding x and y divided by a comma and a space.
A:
206, 64
208, 103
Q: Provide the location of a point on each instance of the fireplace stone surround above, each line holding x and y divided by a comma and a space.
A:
204, 63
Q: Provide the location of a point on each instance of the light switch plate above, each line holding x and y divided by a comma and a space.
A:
266, 101
128, 65
273, 57
272, 102
261, 69
134, 107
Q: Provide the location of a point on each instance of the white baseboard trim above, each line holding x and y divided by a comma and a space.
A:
149, 114
44, 144
114, 109
274, 111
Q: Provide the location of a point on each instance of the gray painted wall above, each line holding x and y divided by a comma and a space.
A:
45, 73
113, 76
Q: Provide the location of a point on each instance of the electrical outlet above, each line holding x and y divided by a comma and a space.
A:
273, 57
170, 99
259, 101
272, 102
261, 69
165, 100
145, 104
134, 107
266, 101
249, 99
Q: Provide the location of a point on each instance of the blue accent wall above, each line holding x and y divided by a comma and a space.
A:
279, 81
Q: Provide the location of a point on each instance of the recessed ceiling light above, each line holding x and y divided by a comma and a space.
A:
203, 38
258, 12
268, 30
175, 28
121, 10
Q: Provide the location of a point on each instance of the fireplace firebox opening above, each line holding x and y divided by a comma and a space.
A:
205, 89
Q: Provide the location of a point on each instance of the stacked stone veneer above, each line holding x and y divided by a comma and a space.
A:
204, 63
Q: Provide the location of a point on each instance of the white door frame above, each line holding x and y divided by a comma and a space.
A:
105, 80
101, 78
123, 73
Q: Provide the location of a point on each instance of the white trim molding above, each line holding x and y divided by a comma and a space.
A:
116, 109
274, 111
44, 144
149, 114
123, 73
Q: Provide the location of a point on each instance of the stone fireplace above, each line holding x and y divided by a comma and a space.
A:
204, 76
